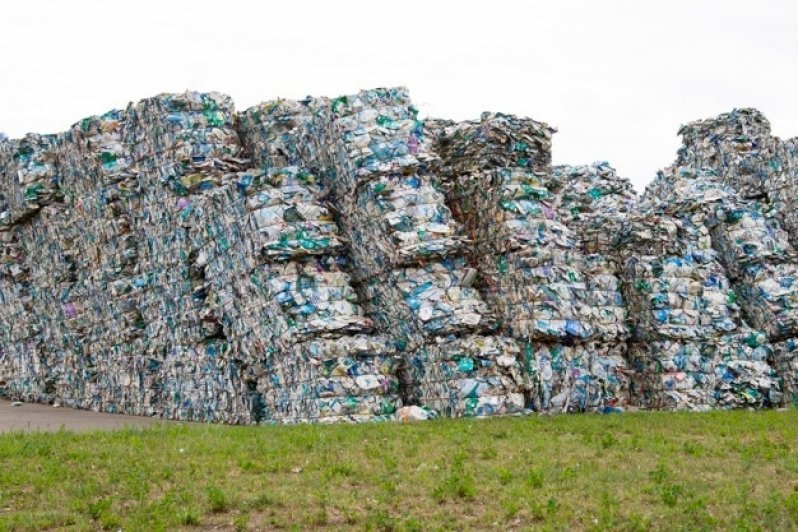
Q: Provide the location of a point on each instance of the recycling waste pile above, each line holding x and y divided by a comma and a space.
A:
562, 305
407, 253
340, 259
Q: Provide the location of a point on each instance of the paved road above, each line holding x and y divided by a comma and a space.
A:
31, 417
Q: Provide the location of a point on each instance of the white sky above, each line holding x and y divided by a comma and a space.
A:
616, 78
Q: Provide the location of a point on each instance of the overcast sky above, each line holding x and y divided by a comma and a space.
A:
616, 78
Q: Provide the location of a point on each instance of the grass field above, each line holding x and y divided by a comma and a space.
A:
632, 471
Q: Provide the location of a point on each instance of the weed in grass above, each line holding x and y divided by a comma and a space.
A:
264, 500
240, 522
510, 507
339, 470
217, 499
659, 474
189, 517
110, 521
693, 448
670, 494
534, 478
97, 508
505, 476
411, 524
552, 506
488, 453
608, 440
380, 519
457, 483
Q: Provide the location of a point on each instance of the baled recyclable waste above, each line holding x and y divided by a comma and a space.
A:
731, 371
318, 362
679, 298
427, 301
769, 296
738, 145
399, 220
351, 378
785, 362
471, 375
497, 177
324, 260
32, 177
530, 269
589, 377
783, 195
365, 135
594, 202
405, 248
497, 140
279, 133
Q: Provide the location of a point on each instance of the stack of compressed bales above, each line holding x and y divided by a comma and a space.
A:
37, 267
408, 254
261, 261
722, 361
339, 370
497, 177
741, 152
296, 298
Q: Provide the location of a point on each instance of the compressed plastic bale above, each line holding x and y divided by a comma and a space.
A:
286, 214
315, 296
185, 141
676, 297
738, 145
497, 140
31, 177
745, 236
644, 233
369, 134
543, 298
745, 376
587, 190
279, 133
429, 300
589, 377
769, 298
785, 362
508, 210
672, 375
207, 384
351, 379
395, 221
605, 308
468, 376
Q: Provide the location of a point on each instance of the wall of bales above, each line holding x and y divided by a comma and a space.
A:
341, 260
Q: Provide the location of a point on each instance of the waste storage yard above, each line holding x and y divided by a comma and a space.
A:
339, 259
637, 471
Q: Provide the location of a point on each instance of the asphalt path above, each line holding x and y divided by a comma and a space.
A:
37, 417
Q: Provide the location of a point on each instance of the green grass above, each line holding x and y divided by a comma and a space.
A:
631, 472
